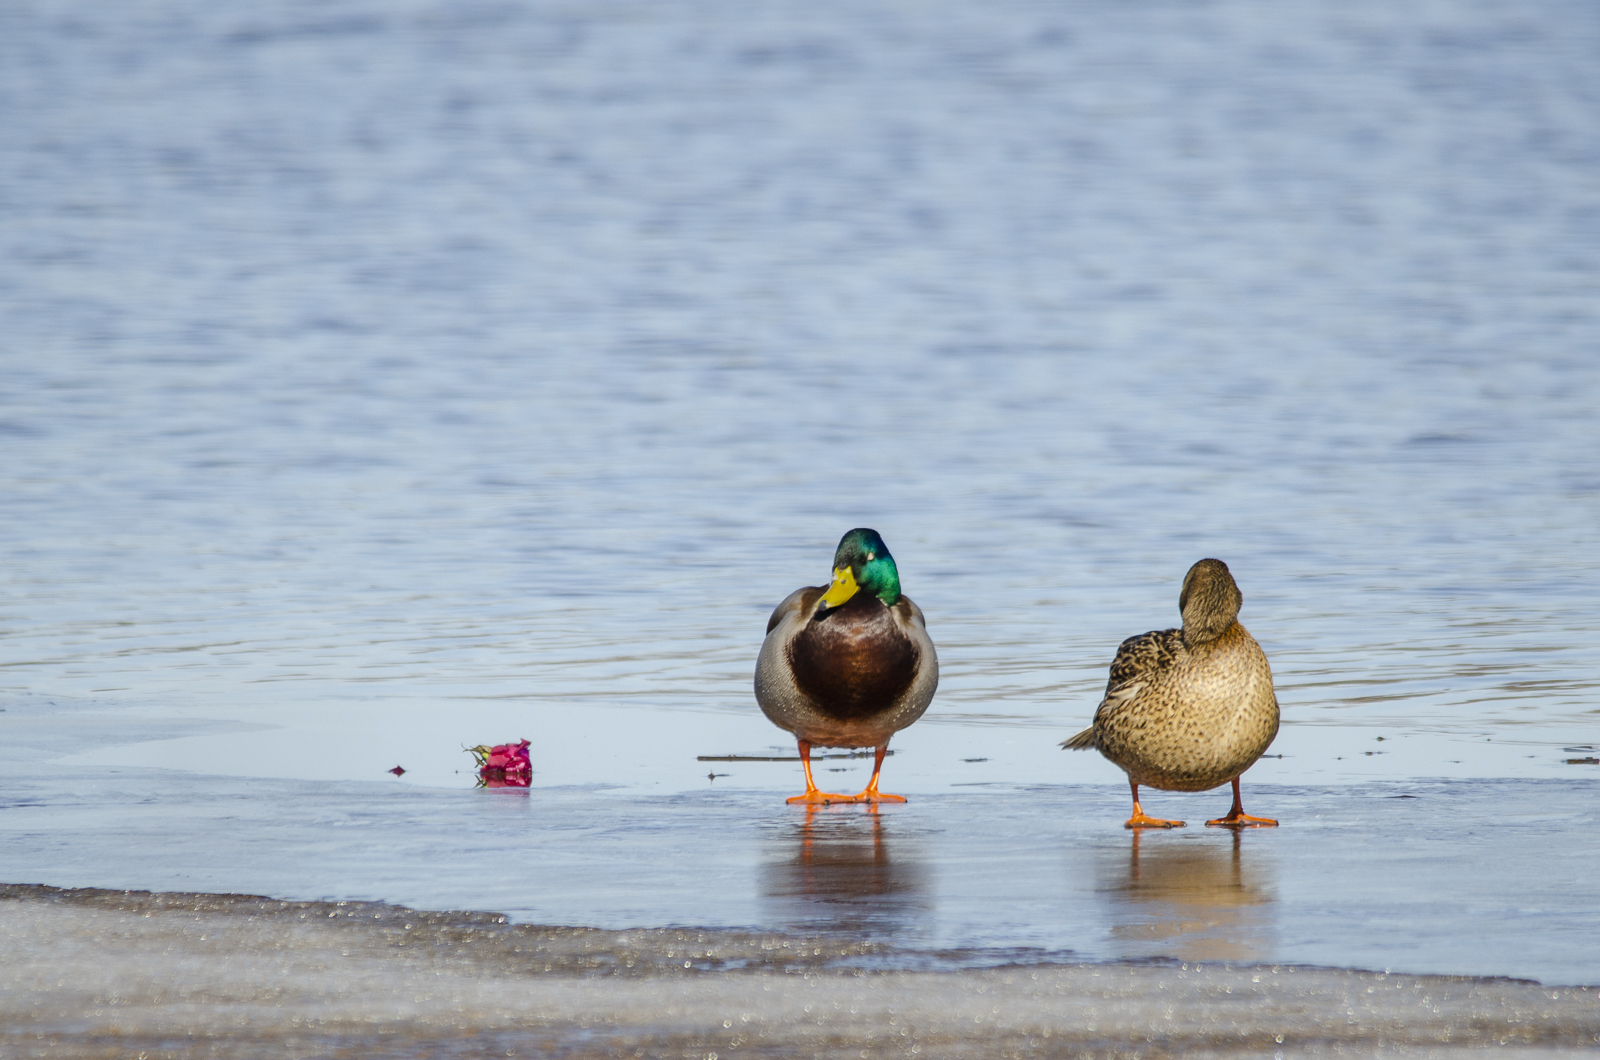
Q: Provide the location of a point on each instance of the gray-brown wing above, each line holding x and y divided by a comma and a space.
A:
1139, 661
799, 600
910, 611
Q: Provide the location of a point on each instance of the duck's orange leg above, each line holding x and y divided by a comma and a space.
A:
1142, 820
1237, 818
871, 793
813, 793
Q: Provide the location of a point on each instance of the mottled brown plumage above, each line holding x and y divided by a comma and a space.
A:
1188, 709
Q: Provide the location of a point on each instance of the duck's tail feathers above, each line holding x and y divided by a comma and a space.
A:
1081, 742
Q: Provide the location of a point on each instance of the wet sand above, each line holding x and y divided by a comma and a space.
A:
97, 973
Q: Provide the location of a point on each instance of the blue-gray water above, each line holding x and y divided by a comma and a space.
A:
383, 378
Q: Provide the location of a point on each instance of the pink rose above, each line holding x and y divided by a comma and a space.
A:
503, 765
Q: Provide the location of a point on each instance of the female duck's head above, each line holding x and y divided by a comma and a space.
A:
1210, 601
862, 561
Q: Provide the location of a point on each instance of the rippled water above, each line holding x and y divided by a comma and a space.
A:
385, 378
411, 357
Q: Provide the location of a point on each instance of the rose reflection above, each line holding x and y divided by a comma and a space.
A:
504, 780
837, 873
1190, 898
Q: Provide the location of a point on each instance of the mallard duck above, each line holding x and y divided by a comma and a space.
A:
1189, 709
849, 665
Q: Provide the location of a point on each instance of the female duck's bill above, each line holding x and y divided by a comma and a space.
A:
847, 665
1189, 709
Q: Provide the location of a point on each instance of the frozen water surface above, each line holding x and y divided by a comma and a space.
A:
380, 379
1379, 875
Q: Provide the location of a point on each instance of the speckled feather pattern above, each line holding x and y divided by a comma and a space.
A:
789, 707
1187, 719
1188, 709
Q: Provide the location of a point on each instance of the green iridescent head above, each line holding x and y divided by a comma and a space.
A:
862, 561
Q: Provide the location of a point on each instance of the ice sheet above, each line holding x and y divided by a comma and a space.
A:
1374, 875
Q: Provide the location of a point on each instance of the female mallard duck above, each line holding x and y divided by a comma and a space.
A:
1189, 709
850, 665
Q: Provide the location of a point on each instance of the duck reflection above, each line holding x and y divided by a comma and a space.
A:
1193, 899
837, 873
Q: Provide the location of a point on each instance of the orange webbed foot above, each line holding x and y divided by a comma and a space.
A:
877, 796
1242, 820
1237, 818
1141, 820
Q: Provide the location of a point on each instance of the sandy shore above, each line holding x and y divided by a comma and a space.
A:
96, 973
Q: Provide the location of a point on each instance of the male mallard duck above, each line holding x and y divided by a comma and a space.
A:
1189, 709
850, 665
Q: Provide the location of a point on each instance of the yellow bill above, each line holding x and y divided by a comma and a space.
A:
843, 588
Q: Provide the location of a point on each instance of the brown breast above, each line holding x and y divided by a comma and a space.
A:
854, 661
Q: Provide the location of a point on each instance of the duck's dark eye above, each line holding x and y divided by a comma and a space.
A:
871, 556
